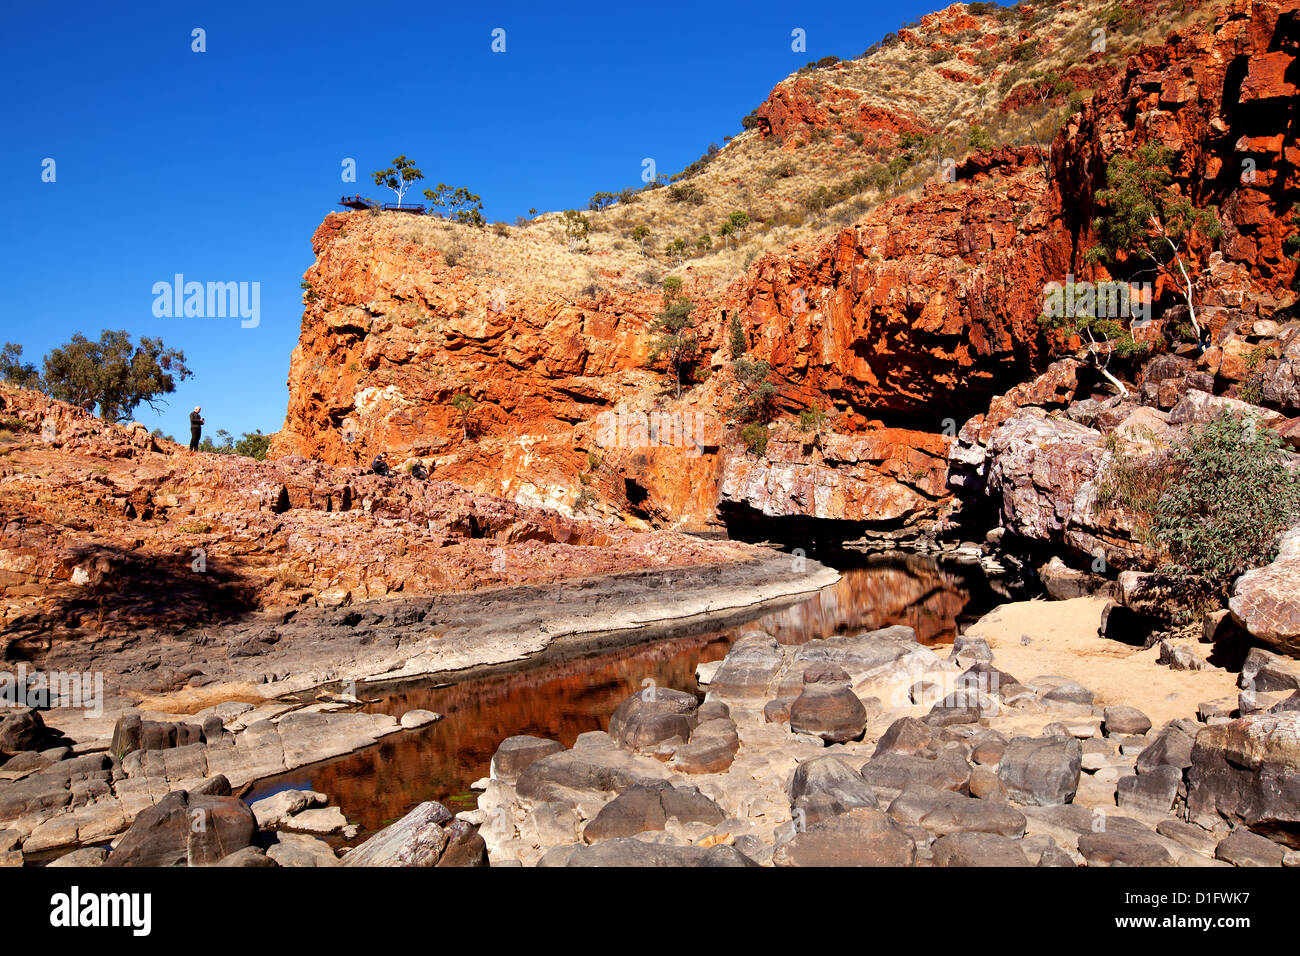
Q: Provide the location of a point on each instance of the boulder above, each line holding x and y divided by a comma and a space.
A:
299, 849
833, 778
1111, 847
895, 771
1152, 792
24, 730
829, 710
1243, 848
706, 752
964, 706
323, 821
1266, 601
907, 735
1063, 583
1247, 771
249, 856
185, 830
417, 839
465, 846
86, 856
1172, 747
1041, 771
1124, 720
630, 852
654, 718
418, 718
1266, 672
639, 809
970, 848
585, 770
969, 650
1069, 692
862, 837
515, 754
750, 667
942, 812
777, 711
278, 807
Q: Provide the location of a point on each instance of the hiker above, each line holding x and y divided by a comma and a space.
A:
196, 428
380, 465
418, 471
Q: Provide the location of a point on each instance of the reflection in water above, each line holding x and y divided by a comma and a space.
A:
564, 698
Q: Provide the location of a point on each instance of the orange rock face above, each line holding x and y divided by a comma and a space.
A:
901, 327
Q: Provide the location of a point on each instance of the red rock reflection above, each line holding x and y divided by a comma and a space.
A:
565, 698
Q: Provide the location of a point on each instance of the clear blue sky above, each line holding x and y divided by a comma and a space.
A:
219, 165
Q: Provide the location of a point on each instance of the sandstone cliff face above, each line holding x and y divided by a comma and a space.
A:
902, 326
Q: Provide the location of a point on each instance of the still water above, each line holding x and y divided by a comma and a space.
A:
563, 698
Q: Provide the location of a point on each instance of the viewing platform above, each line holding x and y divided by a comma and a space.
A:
359, 202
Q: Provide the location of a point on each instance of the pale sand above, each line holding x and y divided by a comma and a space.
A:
1065, 643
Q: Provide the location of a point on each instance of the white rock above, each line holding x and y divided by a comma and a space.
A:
324, 820
273, 810
418, 718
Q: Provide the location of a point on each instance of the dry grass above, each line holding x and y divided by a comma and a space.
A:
772, 181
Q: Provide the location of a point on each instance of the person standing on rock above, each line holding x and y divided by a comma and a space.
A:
196, 428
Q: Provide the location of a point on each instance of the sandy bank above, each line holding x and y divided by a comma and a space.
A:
1063, 641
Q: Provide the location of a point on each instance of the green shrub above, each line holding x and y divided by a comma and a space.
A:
754, 393
754, 435
812, 419
1229, 496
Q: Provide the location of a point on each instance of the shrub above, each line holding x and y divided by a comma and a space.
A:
754, 393
465, 405
1229, 497
754, 435
674, 336
253, 445
736, 335
812, 419
1252, 388
979, 138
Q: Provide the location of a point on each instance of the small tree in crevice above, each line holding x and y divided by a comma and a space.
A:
754, 393
1143, 214
1097, 320
674, 337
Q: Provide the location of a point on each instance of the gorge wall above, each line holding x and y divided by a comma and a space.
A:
901, 326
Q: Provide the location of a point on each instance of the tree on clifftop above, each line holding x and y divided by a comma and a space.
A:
113, 373
461, 204
15, 371
1144, 214
399, 176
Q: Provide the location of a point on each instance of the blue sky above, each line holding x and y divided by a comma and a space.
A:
219, 165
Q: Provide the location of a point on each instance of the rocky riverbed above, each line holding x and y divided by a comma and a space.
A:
1033, 739
870, 749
